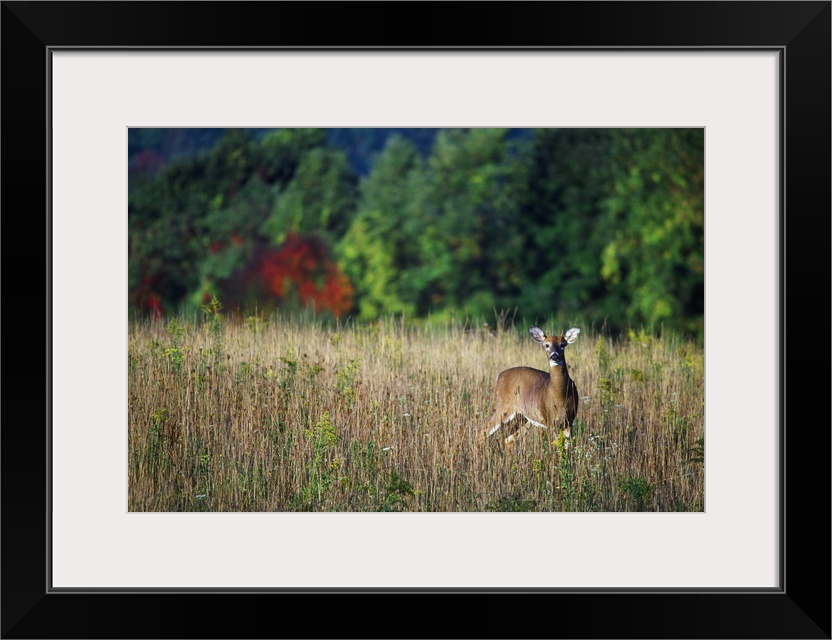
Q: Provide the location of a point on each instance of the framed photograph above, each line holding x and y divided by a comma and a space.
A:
753, 78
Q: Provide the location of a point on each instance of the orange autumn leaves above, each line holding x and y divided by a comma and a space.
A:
300, 273
302, 267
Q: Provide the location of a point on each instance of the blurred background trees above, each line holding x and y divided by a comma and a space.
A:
602, 226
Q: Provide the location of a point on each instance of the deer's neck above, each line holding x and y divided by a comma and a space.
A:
559, 377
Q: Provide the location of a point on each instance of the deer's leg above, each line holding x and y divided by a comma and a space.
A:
496, 422
516, 428
522, 426
489, 427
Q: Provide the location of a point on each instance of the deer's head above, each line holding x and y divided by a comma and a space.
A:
554, 346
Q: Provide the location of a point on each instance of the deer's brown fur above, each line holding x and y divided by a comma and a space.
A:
546, 400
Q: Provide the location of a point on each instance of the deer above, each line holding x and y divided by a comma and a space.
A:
545, 400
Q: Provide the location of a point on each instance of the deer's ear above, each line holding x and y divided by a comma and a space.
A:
537, 334
572, 335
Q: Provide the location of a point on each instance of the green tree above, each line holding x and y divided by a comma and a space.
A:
376, 251
165, 229
562, 182
655, 258
438, 236
230, 234
463, 224
281, 151
319, 199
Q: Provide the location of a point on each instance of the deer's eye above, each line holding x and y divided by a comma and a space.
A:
547, 345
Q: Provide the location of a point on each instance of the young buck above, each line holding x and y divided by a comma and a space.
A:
546, 400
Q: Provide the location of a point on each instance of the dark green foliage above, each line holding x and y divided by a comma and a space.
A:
436, 236
565, 174
464, 225
281, 152
654, 261
319, 199
376, 252
512, 504
638, 492
397, 493
362, 144
175, 352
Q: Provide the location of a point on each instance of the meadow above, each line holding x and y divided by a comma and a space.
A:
300, 414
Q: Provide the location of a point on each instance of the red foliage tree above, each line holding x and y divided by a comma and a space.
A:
145, 299
302, 267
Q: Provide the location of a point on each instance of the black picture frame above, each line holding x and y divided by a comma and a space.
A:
799, 31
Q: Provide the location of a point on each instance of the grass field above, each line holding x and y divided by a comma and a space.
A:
300, 415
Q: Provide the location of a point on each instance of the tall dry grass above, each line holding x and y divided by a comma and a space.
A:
299, 415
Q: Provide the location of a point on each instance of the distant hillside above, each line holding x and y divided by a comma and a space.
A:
157, 147
154, 148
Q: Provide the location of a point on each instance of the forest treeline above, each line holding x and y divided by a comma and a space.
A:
589, 226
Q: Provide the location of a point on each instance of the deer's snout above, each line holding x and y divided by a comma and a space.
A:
556, 358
